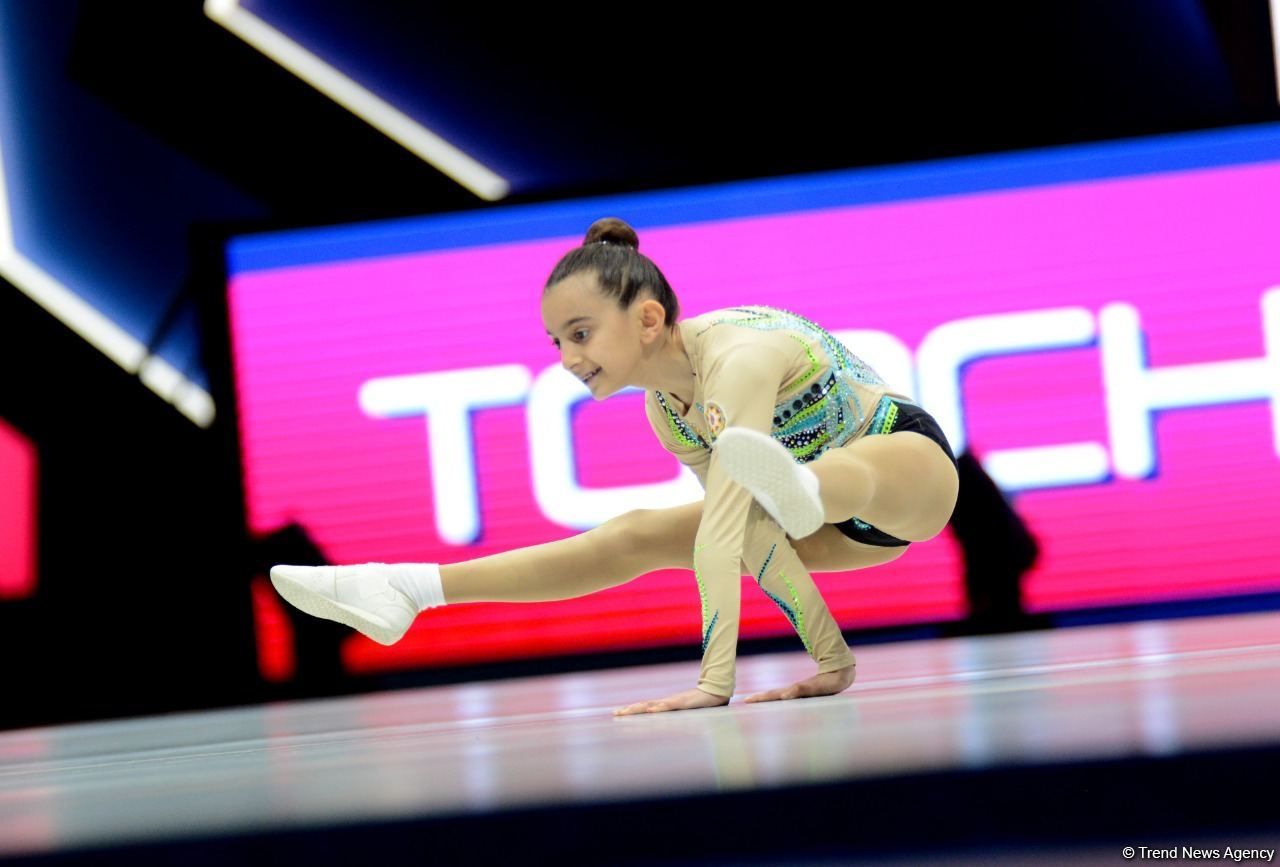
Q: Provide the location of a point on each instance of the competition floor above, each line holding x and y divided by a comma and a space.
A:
1078, 740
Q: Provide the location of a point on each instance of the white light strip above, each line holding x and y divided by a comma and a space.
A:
101, 333
357, 99
1275, 41
6, 227
107, 337
72, 311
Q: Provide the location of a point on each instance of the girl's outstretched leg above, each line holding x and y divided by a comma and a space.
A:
620, 549
381, 600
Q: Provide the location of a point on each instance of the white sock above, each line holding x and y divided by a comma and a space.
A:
419, 581
809, 479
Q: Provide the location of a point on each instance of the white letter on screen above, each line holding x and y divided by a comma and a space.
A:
946, 350
1135, 391
447, 399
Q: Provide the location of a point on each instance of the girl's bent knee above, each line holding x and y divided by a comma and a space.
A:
628, 530
659, 538
637, 530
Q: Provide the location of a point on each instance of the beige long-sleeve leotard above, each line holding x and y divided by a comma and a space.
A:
781, 374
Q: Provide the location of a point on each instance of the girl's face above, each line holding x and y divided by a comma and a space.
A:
598, 342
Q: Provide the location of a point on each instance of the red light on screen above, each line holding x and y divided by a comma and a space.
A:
17, 514
276, 658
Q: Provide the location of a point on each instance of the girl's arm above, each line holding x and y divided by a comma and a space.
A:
770, 559
780, 573
741, 383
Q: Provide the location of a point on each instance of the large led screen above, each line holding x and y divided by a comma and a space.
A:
1099, 324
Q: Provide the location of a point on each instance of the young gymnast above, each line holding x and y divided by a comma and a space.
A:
808, 461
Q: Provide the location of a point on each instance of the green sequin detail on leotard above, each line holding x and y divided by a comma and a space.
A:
680, 429
793, 612
798, 621
825, 414
707, 624
890, 417
886, 416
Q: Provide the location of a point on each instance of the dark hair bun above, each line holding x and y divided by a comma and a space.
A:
614, 231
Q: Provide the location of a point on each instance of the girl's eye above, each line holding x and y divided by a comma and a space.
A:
556, 342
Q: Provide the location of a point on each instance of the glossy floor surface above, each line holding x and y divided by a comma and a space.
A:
1139, 689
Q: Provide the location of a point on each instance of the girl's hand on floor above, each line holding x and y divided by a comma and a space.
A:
827, 683
686, 700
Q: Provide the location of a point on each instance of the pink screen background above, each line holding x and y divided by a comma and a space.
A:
1193, 251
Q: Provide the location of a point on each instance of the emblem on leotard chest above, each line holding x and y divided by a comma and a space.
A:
715, 419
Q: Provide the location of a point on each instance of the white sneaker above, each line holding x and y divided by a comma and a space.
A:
358, 596
788, 491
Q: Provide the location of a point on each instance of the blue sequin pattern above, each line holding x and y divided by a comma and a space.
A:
818, 412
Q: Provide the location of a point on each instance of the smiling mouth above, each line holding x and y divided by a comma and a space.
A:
592, 375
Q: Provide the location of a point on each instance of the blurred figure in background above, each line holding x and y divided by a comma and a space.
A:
998, 550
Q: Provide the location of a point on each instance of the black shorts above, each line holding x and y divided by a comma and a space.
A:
892, 415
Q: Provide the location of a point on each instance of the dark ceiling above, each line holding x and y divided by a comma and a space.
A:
585, 99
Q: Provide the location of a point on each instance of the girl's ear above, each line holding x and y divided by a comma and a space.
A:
652, 316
